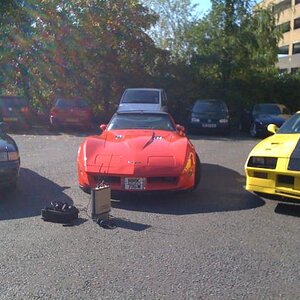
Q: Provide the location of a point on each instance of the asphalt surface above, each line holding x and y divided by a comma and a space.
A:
219, 242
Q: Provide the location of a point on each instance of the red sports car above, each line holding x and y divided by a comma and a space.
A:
139, 151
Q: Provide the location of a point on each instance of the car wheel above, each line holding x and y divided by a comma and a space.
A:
253, 130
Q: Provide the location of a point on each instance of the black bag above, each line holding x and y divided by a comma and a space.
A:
60, 212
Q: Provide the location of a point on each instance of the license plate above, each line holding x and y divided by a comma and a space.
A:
209, 125
71, 120
134, 183
7, 119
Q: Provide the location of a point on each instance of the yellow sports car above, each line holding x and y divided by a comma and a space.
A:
273, 166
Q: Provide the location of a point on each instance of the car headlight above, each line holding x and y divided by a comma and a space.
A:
223, 121
262, 162
188, 168
195, 120
7, 156
3, 156
13, 155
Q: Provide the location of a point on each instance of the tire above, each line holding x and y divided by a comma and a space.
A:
253, 130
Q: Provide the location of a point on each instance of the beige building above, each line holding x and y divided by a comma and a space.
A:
287, 14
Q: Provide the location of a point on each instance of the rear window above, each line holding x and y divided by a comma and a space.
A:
65, 103
16, 102
139, 96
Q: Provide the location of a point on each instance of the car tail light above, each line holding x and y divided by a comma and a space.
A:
54, 111
24, 109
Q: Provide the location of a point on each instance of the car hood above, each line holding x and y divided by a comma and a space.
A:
277, 145
272, 119
125, 151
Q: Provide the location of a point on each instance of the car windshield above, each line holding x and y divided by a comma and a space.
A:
267, 109
65, 103
141, 96
209, 106
15, 102
141, 121
292, 125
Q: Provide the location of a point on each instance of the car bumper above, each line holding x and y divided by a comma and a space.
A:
16, 122
213, 127
272, 182
89, 181
76, 121
9, 173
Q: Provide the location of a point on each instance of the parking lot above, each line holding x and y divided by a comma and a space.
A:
218, 242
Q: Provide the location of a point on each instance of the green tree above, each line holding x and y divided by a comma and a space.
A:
169, 33
232, 43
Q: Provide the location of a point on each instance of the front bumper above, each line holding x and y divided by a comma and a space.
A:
9, 172
72, 121
209, 127
277, 182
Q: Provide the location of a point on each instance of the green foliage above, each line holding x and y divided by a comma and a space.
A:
97, 48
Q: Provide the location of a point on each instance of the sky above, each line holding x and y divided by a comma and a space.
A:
203, 5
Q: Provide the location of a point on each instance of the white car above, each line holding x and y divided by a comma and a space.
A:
148, 99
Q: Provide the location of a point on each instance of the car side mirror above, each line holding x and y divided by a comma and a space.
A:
180, 129
103, 127
272, 128
3, 127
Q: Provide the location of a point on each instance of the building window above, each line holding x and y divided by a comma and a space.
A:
295, 70
283, 71
281, 6
296, 48
284, 27
284, 50
297, 23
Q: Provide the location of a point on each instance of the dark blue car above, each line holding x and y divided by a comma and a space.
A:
256, 120
9, 161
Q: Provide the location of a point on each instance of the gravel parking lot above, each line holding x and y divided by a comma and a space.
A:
219, 242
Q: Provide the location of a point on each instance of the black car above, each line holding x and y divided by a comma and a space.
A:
9, 160
257, 119
209, 116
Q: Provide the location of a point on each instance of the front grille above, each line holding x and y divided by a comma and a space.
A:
262, 162
262, 175
284, 179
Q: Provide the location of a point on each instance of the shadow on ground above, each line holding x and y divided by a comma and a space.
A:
288, 209
45, 130
34, 192
220, 189
235, 135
